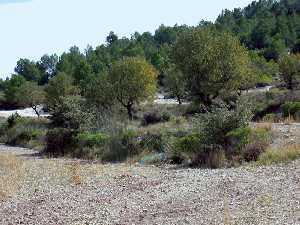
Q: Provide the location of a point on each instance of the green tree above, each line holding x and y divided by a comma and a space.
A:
290, 70
214, 63
175, 83
11, 88
29, 94
47, 65
59, 87
29, 70
133, 80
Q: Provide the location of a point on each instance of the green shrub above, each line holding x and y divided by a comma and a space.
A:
239, 138
216, 124
91, 139
291, 108
270, 117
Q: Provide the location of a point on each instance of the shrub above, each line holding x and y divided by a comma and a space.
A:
216, 124
270, 117
12, 120
155, 117
59, 141
286, 154
153, 142
90, 139
195, 152
253, 150
291, 108
121, 145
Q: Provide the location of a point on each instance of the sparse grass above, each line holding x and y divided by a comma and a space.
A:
283, 155
226, 211
75, 173
264, 125
11, 175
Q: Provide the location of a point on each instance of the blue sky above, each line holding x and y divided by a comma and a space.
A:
31, 28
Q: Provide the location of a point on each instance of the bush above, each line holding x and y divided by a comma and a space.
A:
59, 141
12, 120
121, 145
153, 142
270, 117
90, 139
216, 124
155, 117
252, 151
291, 108
193, 151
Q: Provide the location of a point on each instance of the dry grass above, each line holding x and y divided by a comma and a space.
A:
264, 125
226, 211
285, 154
76, 173
11, 175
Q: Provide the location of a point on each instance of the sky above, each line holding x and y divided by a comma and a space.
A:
32, 28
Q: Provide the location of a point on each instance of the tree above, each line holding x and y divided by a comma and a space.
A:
289, 66
58, 87
98, 91
47, 64
214, 63
175, 83
111, 38
31, 95
11, 88
133, 80
28, 70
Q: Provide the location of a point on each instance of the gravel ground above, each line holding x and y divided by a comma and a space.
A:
62, 191
285, 134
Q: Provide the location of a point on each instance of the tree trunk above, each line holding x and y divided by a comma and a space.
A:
36, 111
179, 100
129, 111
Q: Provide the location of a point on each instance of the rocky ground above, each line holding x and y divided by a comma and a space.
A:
64, 191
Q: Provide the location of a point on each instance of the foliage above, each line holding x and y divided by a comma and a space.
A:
59, 87
290, 70
30, 95
133, 80
175, 82
291, 108
91, 139
11, 89
216, 124
214, 63
270, 26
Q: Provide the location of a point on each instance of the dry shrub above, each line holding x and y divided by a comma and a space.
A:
226, 211
11, 175
75, 173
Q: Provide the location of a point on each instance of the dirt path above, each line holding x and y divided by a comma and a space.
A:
59, 191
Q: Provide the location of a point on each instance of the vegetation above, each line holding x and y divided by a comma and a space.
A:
273, 156
290, 71
100, 101
214, 63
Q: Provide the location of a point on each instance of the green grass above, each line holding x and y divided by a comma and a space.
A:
284, 155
